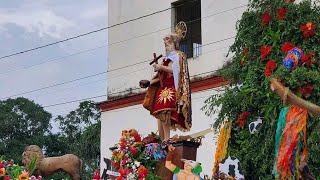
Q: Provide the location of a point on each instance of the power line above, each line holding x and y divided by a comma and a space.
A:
118, 42
94, 97
120, 75
91, 32
93, 75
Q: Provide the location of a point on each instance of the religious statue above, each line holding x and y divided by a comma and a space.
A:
191, 170
46, 166
168, 97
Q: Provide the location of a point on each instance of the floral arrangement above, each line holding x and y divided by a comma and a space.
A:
130, 161
275, 39
96, 175
11, 171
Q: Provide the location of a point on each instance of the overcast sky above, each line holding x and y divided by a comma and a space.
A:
25, 24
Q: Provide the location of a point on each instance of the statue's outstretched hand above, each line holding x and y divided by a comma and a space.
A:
171, 148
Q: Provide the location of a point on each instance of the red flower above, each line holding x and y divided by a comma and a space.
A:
241, 123
242, 118
133, 151
124, 160
264, 51
281, 13
7, 177
271, 65
267, 72
308, 29
306, 91
307, 59
266, 17
142, 172
286, 47
137, 137
246, 50
115, 164
243, 61
1, 165
114, 153
124, 172
96, 175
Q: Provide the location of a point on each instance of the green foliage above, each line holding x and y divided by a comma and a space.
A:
256, 152
22, 123
80, 135
14, 171
32, 166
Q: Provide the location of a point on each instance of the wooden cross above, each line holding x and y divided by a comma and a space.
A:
155, 60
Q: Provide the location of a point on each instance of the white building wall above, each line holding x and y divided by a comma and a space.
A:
135, 41
113, 122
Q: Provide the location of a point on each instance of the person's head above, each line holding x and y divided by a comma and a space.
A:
171, 42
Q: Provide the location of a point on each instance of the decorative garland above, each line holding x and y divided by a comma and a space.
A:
221, 150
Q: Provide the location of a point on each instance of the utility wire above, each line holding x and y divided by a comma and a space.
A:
94, 97
97, 74
92, 82
118, 42
91, 32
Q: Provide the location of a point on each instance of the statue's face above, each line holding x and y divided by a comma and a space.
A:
187, 167
168, 44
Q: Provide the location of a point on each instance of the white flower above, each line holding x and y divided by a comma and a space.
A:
137, 163
131, 176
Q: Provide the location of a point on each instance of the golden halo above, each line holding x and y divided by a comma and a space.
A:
181, 29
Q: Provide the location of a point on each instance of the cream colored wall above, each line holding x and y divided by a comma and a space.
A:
113, 122
218, 22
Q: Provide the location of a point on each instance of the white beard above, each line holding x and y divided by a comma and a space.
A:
169, 49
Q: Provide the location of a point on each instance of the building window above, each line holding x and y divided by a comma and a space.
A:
189, 11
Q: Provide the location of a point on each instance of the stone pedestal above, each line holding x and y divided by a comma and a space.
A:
183, 150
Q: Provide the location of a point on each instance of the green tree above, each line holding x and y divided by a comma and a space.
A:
264, 25
80, 135
22, 123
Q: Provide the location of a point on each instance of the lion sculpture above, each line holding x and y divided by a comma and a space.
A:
46, 166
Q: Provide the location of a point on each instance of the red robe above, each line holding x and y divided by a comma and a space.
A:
165, 106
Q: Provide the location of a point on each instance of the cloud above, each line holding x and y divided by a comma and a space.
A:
95, 13
43, 22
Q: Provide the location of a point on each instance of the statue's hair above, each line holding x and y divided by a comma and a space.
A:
30, 152
176, 40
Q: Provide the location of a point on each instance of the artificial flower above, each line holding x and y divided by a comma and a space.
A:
2, 172
24, 176
265, 51
286, 47
281, 13
36, 178
266, 17
96, 175
137, 137
308, 29
271, 64
133, 151
124, 160
142, 172
242, 118
114, 153
115, 164
307, 59
306, 91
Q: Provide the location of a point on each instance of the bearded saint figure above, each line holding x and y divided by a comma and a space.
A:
171, 101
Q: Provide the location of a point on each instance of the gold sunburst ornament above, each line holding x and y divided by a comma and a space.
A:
181, 29
166, 95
